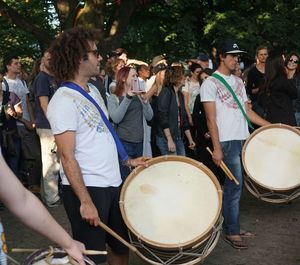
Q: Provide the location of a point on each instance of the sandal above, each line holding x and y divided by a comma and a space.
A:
237, 244
245, 233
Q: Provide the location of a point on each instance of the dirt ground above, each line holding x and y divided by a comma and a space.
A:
277, 241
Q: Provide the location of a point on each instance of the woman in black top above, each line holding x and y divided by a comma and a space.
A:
279, 92
293, 70
171, 115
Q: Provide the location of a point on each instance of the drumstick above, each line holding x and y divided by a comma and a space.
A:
225, 169
85, 252
115, 235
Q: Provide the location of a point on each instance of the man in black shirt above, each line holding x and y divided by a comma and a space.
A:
256, 77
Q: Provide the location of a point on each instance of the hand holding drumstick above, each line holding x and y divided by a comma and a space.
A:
225, 169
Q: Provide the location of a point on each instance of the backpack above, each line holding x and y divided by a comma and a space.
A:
8, 127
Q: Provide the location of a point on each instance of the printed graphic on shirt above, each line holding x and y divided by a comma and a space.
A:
225, 96
91, 118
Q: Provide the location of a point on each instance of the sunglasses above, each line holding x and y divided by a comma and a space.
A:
95, 52
293, 61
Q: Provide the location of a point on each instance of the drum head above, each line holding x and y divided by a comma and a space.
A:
174, 202
271, 157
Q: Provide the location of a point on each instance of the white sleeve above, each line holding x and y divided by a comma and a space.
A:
62, 114
185, 88
208, 91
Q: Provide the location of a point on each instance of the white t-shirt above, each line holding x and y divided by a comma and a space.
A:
150, 82
95, 149
193, 88
142, 84
21, 90
231, 123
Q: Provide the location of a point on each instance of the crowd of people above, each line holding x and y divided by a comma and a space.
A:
99, 122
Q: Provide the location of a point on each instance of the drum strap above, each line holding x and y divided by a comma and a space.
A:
223, 81
121, 150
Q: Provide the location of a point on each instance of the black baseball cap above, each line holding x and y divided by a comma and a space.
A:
229, 47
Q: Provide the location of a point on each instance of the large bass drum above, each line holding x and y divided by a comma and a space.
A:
172, 210
271, 159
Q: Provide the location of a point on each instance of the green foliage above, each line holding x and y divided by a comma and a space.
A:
15, 40
179, 28
254, 23
171, 27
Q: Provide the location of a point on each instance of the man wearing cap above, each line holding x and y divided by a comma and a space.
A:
203, 60
159, 63
228, 129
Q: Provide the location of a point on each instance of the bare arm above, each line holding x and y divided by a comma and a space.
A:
66, 147
186, 106
44, 101
134, 61
190, 139
31, 212
171, 144
210, 111
254, 117
153, 90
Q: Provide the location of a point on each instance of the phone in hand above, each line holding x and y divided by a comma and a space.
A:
136, 86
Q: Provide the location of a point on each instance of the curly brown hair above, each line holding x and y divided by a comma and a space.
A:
68, 49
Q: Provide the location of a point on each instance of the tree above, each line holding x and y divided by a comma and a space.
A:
254, 23
32, 34
179, 28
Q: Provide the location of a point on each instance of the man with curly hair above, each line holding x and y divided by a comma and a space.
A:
88, 150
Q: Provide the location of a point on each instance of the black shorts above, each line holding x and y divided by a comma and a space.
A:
106, 201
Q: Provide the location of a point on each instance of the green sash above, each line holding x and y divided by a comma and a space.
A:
223, 81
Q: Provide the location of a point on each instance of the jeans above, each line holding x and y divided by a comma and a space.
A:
162, 144
49, 183
133, 150
232, 192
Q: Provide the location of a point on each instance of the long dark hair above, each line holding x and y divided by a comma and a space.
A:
274, 68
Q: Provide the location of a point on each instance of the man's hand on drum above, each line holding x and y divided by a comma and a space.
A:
140, 161
89, 213
75, 250
217, 156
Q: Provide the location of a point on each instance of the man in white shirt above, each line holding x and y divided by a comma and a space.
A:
28, 153
228, 129
90, 168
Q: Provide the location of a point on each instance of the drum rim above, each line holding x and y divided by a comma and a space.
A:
160, 159
257, 131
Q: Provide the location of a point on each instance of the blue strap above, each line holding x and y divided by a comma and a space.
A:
121, 151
